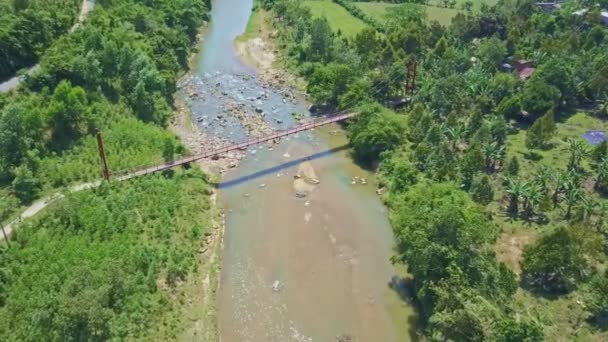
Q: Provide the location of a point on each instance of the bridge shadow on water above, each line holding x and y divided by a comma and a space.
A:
247, 178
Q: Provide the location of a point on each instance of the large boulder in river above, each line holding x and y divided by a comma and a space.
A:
314, 109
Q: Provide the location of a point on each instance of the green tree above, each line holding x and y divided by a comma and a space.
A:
169, 150
15, 135
471, 164
578, 151
439, 230
492, 51
329, 82
516, 189
557, 72
321, 40
8, 204
481, 190
560, 260
510, 107
493, 154
539, 97
67, 111
597, 297
532, 197
601, 171
467, 5
572, 196
541, 131
510, 330
26, 185
398, 173
512, 167
599, 153
375, 130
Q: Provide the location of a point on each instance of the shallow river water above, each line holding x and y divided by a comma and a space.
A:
313, 268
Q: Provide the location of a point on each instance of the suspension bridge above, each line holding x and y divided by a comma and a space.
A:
214, 153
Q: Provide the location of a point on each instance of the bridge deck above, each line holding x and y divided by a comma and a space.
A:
239, 146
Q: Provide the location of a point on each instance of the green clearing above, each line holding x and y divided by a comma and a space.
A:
378, 10
338, 17
572, 127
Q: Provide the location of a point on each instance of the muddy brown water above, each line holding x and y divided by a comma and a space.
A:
300, 263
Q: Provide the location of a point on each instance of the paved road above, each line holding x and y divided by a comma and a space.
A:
85, 9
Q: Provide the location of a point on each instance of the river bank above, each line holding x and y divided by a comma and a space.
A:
307, 241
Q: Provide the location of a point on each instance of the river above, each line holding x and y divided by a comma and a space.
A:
306, 254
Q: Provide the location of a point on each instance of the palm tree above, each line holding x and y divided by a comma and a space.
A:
601, 217
602, 108
601, 169
515, 188
454, 134
559, 180
532, 196
493, 153
587, 209
572, 195
578, 150
542, 176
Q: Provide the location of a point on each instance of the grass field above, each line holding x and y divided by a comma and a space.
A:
338, 17
476, 3
379, 9
556, 156
564, 317
255, 23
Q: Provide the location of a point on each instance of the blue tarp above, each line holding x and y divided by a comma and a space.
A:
595, 137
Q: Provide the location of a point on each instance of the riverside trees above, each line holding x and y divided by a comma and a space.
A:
102, 264
481, 128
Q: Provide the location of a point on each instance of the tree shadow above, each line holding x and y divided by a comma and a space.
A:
599, 322
532, 156
563, 115
542, 291
404, 288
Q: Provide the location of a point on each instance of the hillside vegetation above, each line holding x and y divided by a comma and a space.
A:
28, 27
116, 73
105, 264
113, 263
498, 204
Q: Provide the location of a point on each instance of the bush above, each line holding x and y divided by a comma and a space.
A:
375, 130
560, 260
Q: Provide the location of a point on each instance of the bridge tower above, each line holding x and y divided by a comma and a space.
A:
102, 155
410, 84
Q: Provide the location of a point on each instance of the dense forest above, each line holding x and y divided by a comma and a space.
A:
117, 73
489, 148
103, 264
28, 27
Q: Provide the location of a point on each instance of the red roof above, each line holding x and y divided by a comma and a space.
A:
525, 73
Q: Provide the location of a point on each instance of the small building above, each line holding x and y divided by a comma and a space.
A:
549, 6
524, 69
